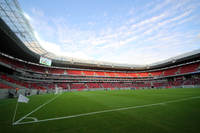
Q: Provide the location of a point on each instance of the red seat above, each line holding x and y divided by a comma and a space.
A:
100, 73
171, 71
4, 86
56, 71
189, 68
89, 73
74, 72
77, 86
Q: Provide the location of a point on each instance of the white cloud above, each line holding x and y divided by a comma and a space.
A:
198, 35
131, 11
91, 23
57, 49
105, 14
27, 16
141, 39
37, 12
49, 46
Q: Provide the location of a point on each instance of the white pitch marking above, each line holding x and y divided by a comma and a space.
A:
111, 110
34, 110
34, 118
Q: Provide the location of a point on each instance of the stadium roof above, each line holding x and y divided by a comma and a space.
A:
13, 16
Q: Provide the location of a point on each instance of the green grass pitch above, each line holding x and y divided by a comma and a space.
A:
178, 113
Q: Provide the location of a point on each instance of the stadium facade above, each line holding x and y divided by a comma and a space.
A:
20, 53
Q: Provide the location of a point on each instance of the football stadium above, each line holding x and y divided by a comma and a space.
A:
43, 91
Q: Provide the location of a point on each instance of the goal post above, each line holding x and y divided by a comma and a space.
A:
58, 90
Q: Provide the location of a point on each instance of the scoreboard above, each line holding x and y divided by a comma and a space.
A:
45, 61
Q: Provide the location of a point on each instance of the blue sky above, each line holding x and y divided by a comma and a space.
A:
122, 31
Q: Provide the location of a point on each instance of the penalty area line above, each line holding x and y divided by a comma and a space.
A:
111, 110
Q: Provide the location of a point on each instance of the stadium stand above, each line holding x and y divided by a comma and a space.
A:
56, 71
110, 74
121, 74
77, 86
143, 74
20, 67
158, 73
74, 72
172, 71
36, 68
93, 85
100, 73
88, 73
20, 83
189, 68
131, 74
62, 85
5, 86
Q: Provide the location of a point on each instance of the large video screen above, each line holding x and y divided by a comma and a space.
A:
45, 61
